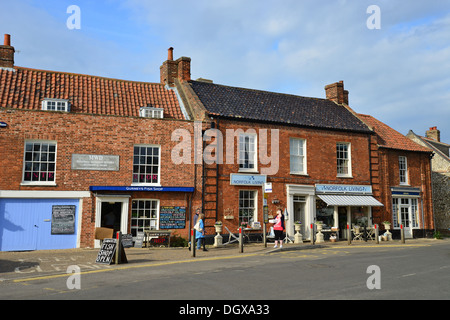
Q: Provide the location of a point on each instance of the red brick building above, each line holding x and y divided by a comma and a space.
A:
404, 181
81, 152
91, 150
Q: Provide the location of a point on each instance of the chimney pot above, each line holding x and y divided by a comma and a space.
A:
7, 41
170, 54
7, 53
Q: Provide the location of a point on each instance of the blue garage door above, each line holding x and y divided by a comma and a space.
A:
26, 224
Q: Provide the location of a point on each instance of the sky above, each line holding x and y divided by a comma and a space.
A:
394, 61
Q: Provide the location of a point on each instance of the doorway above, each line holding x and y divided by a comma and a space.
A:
111, 211
111, 215
342, 218
300, 212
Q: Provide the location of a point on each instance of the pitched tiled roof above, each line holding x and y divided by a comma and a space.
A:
389, 138
25, 88
256, 105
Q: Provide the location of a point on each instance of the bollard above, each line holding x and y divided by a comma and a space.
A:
119, 243
312, 233
402, 232
193, 244
241, 242
376, 234
349, 235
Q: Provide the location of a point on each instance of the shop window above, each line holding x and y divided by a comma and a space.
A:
247, 206
144, 215
395, 213
324, 213
403, 170
343, 156
297, 155
247, 152
39, 163
146, 165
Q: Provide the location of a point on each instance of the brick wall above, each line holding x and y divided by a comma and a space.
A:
321, 165
419, 176
94, 134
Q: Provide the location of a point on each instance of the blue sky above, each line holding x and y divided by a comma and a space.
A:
398, 74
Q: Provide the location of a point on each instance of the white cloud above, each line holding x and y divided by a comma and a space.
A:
398, 74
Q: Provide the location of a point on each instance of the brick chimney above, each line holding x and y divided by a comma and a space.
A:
335, 92
178, 69
7, 53
434, 134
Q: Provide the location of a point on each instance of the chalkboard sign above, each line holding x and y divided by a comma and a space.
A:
107, 251
139, 240
127, 240
63, 219
172, 217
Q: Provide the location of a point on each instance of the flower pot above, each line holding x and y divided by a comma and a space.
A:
387, 226
218, 228
319, 226
297, 227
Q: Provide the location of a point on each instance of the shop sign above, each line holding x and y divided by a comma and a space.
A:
95, 162
404, 191
247, 179
340, 188
141, 188
268, 187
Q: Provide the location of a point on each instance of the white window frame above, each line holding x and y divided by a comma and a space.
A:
348, 160
26, 162
243, 149
61, 105
253, 218
301, 156
151, 112
138, 183
403, 170
146, 221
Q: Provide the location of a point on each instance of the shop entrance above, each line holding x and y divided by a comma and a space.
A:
111, 212
111, 215
300, 212
342, 213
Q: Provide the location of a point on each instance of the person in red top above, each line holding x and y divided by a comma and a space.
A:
278, 228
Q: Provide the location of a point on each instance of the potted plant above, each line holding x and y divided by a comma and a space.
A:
218, 226
297, 225
319, 225
387, 225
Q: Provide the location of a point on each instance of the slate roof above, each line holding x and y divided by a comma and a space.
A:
264, 106
25, 88
389, 138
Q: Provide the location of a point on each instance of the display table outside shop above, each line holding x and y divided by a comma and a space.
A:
157, 234
331, 232
248, 231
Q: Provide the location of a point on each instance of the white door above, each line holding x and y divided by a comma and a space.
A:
405, 218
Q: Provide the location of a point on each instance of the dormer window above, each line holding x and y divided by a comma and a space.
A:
56, 105
150, 112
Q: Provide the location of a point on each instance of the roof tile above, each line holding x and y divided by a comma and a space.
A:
389, 138
25, 88
256, 105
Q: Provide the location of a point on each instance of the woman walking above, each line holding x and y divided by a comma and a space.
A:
278, 228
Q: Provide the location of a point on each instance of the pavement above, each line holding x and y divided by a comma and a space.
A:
29, 265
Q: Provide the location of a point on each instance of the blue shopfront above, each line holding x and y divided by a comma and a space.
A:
40, 221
